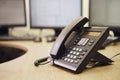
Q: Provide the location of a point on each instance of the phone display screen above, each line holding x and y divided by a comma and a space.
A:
91, 33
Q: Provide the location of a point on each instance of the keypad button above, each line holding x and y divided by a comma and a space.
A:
68, 60
71, 56
76, 62
80, 57
85, 50
80, 49
83, 53
65, 59
77, 49
70, 48
74, 43
74, 52
76, 40
71, 61
71, 52
77, 53
74, 57
91, 41
74, 48
90, 44
68, 55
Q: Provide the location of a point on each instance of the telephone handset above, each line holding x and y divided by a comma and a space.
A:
76, 46
76, 25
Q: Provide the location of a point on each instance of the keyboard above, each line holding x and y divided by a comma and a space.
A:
8, 38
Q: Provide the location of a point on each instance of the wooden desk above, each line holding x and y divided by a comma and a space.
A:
23, 68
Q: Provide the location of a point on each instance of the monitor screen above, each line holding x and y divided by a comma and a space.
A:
53, 13
105, 13
12, 13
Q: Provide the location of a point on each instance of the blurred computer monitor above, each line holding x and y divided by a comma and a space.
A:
12, 14
105, 13
54, 14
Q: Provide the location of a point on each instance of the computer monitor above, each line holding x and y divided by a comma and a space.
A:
105, 13
12, 14
54, 14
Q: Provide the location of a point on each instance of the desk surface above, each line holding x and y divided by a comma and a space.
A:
22, 68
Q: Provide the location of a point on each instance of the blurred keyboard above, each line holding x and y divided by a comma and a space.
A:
8, 38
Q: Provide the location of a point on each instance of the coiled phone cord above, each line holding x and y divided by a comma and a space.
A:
43, 61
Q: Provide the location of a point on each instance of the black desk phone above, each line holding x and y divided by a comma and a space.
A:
76, 46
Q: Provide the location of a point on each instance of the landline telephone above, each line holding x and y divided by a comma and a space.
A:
76, 46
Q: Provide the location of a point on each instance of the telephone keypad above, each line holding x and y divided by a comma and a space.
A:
76, 53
